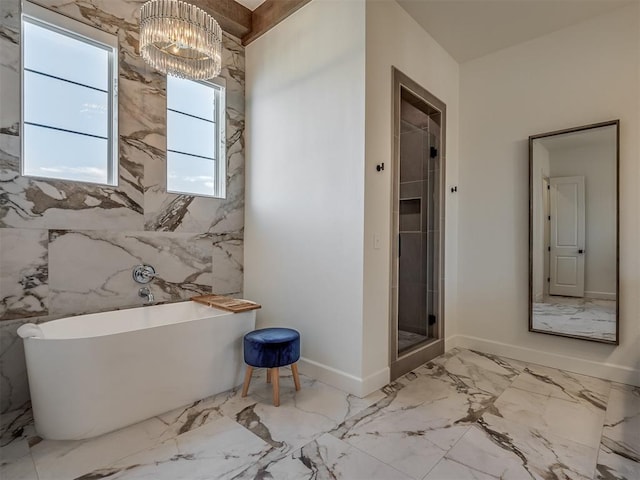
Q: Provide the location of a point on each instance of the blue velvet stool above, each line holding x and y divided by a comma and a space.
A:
271, 348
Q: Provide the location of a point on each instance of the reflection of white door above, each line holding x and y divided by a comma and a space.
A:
566, 258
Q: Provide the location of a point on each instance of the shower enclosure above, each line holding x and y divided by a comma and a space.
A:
417, 328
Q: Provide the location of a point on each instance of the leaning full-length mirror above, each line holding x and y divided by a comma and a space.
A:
573, 232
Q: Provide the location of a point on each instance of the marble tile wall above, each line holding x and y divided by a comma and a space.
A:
68, 248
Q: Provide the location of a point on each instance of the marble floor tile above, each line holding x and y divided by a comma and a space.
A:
327, 458
21, 468
476, 370
16, 462
313, 396
478, 451
508, 451
220, 449
301, 416
564, 385
612, 466
285, 427
184, 419
580, 422
433, 385
414, 426
464, 416
449, 470
619, 455
408, 439
621, 432
56, 459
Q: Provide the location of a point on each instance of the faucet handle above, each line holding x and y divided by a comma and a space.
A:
144, 273
150, 273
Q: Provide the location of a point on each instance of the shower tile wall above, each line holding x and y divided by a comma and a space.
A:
68, 248
412, 271
419, 174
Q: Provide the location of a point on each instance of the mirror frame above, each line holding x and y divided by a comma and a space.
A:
615, 123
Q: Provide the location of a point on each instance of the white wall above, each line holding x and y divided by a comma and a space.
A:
305, 182
315, 200
395, 39
583, 74
596, 163
310, 220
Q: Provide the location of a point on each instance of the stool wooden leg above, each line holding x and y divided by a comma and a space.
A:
275, 377
268, 375
247, 381
296, 378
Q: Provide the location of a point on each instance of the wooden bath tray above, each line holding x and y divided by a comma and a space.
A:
235, 305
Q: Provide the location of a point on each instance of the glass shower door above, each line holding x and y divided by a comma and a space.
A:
418, 219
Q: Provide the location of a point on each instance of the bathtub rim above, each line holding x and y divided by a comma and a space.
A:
204, 312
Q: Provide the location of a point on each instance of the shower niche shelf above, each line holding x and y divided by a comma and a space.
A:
410, 214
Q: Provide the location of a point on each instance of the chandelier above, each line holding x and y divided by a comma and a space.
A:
180, 39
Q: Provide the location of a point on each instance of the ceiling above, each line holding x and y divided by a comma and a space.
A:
469, 29
251, 4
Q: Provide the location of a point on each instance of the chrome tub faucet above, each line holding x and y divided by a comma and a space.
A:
145, 293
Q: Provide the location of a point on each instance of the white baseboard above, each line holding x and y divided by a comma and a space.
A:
451, 342
600, 295
360, 387
606, 371
375, 381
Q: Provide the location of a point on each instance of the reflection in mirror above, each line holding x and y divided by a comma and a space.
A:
573, 236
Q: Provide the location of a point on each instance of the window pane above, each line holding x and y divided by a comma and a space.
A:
60, 104
62, 56
191, 97
69, 156
190, 135
190, 174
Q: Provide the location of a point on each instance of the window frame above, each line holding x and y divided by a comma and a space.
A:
220, 85
61, 24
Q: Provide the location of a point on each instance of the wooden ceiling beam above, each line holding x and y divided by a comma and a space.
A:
241, 22
268, 15
233, 18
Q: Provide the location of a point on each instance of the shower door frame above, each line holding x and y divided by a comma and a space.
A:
400, 364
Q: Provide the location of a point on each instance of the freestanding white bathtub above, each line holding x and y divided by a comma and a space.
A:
92, 374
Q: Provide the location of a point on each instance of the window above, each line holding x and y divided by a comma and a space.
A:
196, 137
69, 99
